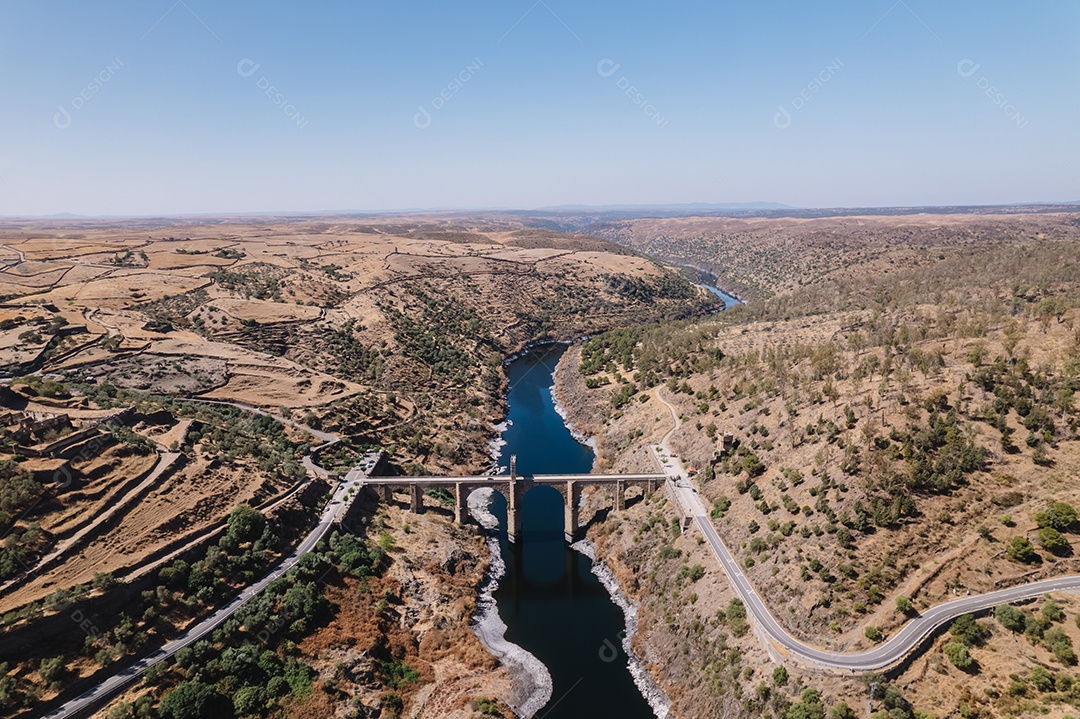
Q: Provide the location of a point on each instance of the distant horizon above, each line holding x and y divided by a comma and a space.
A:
747, 207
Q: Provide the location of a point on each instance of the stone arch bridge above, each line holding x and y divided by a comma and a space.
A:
514, 487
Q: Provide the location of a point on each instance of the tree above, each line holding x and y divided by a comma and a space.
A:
103, 580
904, 605
1059, 643
752, 465
736, 617
52, 669
809, 706
123, 710
1053, 541
872, 633
958, 654
242, 663
1010, 617
1020, 549
1059, 515
1051, 610
250, 700
18, 490
246, 524
780, 676
194, 700
1042, 679
966, 630
840, 710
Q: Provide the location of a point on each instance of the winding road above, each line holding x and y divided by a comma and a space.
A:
882, 656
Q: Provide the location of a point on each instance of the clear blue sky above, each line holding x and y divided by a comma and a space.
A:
157, 106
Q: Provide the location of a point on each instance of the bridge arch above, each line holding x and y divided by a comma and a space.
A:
498, 504
542, 497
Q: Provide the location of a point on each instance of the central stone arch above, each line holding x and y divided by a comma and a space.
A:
571, 494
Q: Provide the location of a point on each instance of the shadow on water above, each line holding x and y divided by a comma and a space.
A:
551, 602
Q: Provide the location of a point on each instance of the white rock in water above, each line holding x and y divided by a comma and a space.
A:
531, 679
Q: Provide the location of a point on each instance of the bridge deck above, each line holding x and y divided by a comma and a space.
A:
535, 478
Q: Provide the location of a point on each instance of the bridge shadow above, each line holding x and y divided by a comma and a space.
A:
601, 515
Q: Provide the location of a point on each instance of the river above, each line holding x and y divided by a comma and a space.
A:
729, 301
552, 603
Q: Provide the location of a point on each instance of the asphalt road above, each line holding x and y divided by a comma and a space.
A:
885, 654
332, 513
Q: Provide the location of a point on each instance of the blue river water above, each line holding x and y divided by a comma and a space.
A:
729, 301
551, 602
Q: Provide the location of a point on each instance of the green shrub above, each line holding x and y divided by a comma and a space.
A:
246, 524
958, 654
194, 700
1010, 617
1051, 610
1060, 645
966, 630
1021, 550
1042, 679
1053, 541
1059, 515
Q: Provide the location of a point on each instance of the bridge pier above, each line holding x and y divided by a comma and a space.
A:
460, 498
573, 499
513, 510
514, 488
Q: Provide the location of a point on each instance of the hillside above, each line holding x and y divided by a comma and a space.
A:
122, 464
761, 257
899, 432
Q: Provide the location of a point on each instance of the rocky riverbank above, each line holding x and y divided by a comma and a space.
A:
648, 561
585, 422
530, 680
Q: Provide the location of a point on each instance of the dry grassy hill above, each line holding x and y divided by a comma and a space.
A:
760, 257
900, 430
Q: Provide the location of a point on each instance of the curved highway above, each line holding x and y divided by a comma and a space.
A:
885, 654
